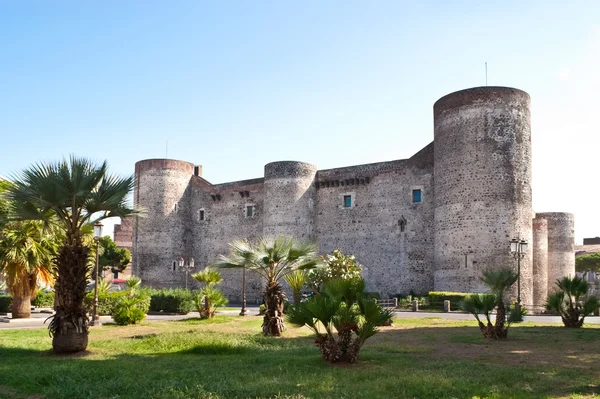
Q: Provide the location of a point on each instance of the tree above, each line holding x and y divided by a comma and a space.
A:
570, 301
342, 307
336, 265
588, 263
296, 281
209, 298
26, 253
71, 194
498, 281
4, 204
112, 257
272, 259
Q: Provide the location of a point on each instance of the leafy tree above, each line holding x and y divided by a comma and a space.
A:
112, 257
588, 263
499, 281
272, 259
336, 265
209, 298
570, 301
71, 194
341, 307
26, 253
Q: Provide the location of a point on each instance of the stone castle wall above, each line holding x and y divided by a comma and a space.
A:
475, 182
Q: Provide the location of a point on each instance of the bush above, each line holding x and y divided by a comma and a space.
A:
262, 309
107, 301
132, 309
167, 300
437, 298
5, 303
43, 299
373, 295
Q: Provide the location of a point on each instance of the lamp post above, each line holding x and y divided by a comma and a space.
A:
187, 267
518, 248
97, 235
244, 311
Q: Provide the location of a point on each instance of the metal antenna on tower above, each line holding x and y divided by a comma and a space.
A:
486, 73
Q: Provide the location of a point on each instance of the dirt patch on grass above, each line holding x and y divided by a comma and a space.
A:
124, 333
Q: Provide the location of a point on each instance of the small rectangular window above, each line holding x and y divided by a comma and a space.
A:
249, 211
347, 201
416, 195
175, 207
201, 214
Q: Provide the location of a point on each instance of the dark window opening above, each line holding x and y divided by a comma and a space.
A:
347, 201
416, 195
249, 211
201, 214
174, 265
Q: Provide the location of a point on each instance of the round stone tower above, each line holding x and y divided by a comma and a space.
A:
561, 246
482, 183
539, 249
160, 236
289, 199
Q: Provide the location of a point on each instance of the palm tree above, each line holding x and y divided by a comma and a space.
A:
569, 301
71, 193
296, 281
26, 253
272, 259
498, 281
209, 298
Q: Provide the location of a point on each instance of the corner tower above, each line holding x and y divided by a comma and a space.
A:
161, 235
289, 199
482, 183
561, 246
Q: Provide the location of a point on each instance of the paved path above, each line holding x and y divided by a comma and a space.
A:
38, 320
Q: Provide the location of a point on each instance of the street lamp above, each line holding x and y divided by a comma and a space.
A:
187, 268
97, 235
518, 248
244, 311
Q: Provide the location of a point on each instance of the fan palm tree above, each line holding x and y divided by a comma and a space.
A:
71, 193
209, 297
296, 281
272, 259
26, 253
498, 281
570, 301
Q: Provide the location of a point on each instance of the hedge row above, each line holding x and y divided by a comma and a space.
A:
167, 300
43, 299
437, 298
5, 303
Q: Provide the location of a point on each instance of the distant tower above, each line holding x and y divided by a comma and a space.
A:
289, 199
539, 249
161, 236
561, 246
482, 180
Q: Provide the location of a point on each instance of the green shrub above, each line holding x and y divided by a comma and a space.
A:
373, 295
437, 298
43, 299
167, 300
107, 302
262, 309
131, 309
5, 303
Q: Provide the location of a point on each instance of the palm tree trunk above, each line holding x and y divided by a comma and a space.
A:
273, 319
69, 326
21, 307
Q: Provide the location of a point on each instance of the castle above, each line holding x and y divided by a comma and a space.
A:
434, 221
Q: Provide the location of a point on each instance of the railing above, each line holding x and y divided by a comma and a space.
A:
388, 303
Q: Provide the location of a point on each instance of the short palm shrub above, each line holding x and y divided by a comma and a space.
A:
131, 309
570, 301
296, 281
168, 300
209, 297
341, 317
132, 284
498, 281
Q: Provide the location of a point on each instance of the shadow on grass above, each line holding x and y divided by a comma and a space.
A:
424, 362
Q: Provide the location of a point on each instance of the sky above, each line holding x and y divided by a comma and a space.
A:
233, 85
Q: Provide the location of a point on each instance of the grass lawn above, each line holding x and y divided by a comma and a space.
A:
227, 358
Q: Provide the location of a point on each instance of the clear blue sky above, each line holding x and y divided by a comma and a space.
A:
234, 85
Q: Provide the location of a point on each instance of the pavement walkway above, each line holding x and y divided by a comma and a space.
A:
37, 319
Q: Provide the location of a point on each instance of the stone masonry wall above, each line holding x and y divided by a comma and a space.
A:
561, 246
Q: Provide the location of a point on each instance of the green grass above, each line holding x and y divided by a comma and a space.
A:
227, 358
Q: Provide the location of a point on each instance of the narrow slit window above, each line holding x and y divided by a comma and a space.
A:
347, 201
416, 196
174, 267
249, 211
175, 207
201, 214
